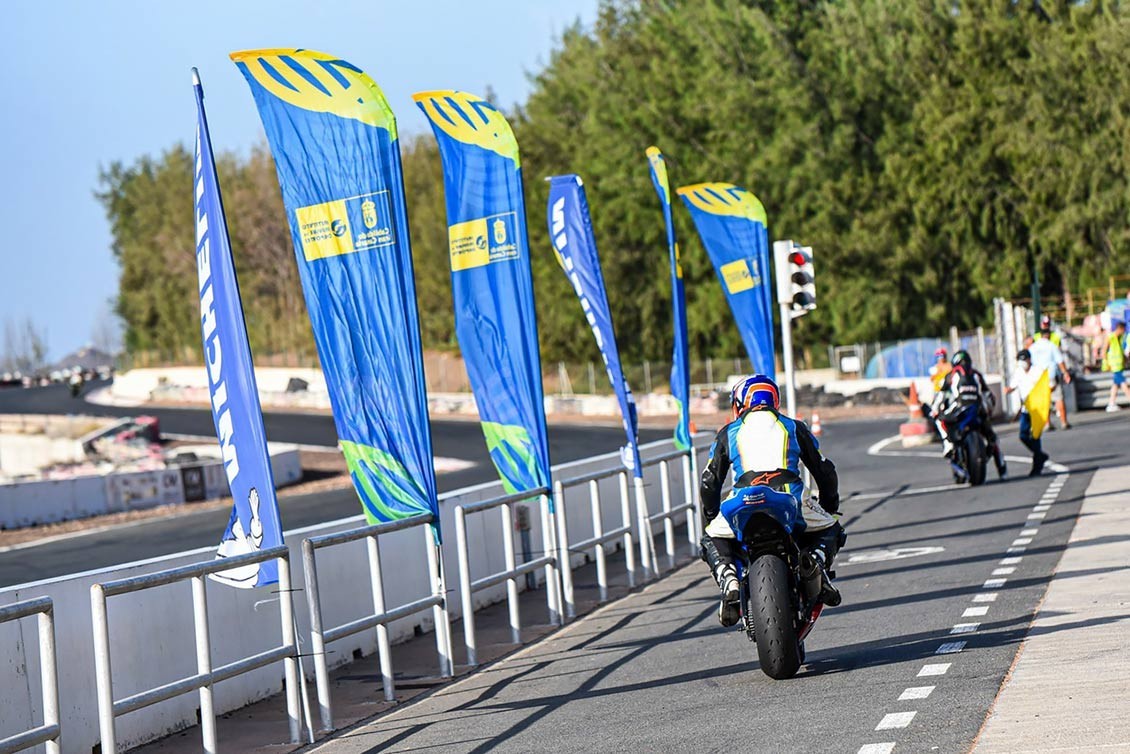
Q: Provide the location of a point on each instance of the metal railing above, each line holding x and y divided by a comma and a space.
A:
206, 676
548, 560
600, 537
381, 615
48, 733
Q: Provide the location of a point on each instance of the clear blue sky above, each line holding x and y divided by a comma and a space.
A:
87, 83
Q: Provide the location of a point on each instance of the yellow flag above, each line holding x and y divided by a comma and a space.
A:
1039, 404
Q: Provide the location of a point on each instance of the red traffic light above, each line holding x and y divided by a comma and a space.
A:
798, 258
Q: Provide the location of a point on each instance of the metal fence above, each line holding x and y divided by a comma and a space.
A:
48, 732
548, 560
381, 615
206, 676
600, 537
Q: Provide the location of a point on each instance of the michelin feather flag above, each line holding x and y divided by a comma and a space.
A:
570, 229
495, 319
680, 371
732, 224
254, 523
334, 140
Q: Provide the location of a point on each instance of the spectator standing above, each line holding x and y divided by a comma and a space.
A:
1046, 355
1024, 379
1114, 361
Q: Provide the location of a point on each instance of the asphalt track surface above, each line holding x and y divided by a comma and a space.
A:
452, 439
885, 671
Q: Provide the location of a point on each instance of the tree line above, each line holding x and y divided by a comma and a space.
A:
934, 153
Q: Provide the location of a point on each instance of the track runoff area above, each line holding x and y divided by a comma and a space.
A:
940, 584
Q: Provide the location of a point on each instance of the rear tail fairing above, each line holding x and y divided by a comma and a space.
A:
747, 508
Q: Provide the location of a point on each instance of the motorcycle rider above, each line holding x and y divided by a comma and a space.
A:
764, 447
965, 386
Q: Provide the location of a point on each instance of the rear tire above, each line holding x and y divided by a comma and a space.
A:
976, 458
770, 606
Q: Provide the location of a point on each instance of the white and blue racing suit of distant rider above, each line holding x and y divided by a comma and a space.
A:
763, 447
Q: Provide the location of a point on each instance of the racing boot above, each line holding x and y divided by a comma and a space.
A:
1002, 466
729, 608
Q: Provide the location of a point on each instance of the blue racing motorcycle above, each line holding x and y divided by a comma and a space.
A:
780, 581
970, 452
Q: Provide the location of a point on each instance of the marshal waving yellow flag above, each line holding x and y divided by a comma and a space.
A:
1039, 404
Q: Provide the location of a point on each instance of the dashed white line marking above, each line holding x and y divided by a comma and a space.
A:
1003, 571
916, 692
1041, 509
973, 612
950, 648
1036, 515
883, 748
1029, 532
1017, 549
1010, 561
935, 669
993, 583
986, 597
1022, 541
895, 720
964, 628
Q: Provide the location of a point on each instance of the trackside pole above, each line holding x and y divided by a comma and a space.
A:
439, 612
556, 596
626, 518
317, 639
204, 664
787, 353
465, 587
647, 545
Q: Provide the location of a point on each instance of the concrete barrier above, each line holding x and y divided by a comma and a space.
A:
47, 501
152, 632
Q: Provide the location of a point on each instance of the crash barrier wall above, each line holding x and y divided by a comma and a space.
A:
48, 732
151, 629
206, 676
50, 500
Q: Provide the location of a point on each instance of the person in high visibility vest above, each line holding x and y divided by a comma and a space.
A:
1114, 361
1046, 331
941, 369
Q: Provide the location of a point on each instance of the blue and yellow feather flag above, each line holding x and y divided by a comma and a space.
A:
680, 366
334, 140
732, 224
495, 318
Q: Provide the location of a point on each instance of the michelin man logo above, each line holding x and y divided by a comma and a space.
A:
239, 542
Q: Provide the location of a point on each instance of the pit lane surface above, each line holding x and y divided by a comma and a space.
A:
885, 672
453, 439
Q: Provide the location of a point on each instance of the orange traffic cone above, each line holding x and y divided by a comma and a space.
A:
815, 427
915, 431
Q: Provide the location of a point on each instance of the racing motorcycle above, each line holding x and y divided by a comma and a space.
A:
970, 451
780, 582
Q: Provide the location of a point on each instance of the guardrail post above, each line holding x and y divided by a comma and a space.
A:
626, 516
512, 582
290, 662
647, 546
563, 554
102, 672
553, 589
204, 663
439, 611
668, 524
48, 674
465, 586
376, 583
598, 533
317, 635
691, 497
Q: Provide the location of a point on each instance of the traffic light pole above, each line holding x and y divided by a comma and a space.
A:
787, 356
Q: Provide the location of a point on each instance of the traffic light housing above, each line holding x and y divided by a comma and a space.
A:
796, 278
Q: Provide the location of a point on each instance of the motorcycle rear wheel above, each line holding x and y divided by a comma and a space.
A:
770, 606
976, 458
